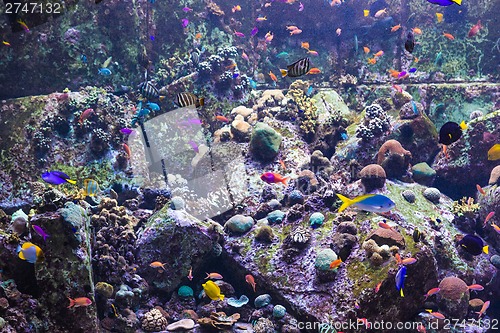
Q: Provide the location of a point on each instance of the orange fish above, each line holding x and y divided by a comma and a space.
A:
127, 150
377, 287
417, 31
394, 73
85, 114
379, 53
372, 61
408, 261
233, 65
305, 45
485, 307
480, 189
282, 164
398, 258
251, 281
488, 217
416, 60
236, 8
215, 276
222, 118
497, 228
269, 37
267, 4
445, 151
314, 70
476, 287
157, 264
449, 36
78, 302
384, 225
437, 315
475, 29
396, 28
273, 77
398, 88
5, 43
272, 177
314, 53
366, 49
198, 35
439, 17
291, 27
335, 2
335, 264
25, 27
380, 13
295, 32
431, 292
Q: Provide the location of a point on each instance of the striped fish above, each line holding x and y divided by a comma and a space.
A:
184, 99
195, 58
148, 90
90, 187
297, 69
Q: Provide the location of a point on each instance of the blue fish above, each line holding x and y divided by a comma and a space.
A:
309, 91
400, 280
152, 38
104, 71
30, 252
414, 107
412, 70
344, 136
56, 178
445, 3
235, 75
83, 58
153, 106
375, 203
282, 55
253, 84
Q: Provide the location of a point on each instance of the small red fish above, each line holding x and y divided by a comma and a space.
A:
78, 302
215, 276
335, 264
314, 71
379, 53
475, 29
251, 281
476, 287
437, 315
190, 275
448, 35
127, 150
485, 307
396, 28
377, 287
273, 77
385, 226
85, 114
480, 189
408, 261
271, 177
283, 166
488, 217
398, 88
431, 292
497, 228
157, 264
222, 118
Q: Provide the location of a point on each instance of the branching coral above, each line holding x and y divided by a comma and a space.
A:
465, 206
307, 110
375, 124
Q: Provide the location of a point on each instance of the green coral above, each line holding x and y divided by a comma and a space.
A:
465, 207
309, 115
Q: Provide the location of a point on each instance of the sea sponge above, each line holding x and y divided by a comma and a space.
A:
185, 292
453, 288
495, 176
265, 234
154, 321
432, 194
372, 177
376, 259
370, 247
105, 289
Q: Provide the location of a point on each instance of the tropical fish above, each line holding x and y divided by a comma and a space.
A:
366, 12
431, 292
445, 3
126, 148
291, 27
283, 166
412, 70
194, 145
198, 35
380, 13
410, 42
475, 29
379, 54
187, 9
375, 203
261, 19
212, 290
377, 287
476, 287
301, 6
480, 189
184, 99
450, 132
298, 68
335, 264
251, 281
338, 31
497, 228
107, 62
148, 90
239, 34
488, 217
439, 59
485, 307
408, 261
85, 114
400, 279
295, 32
398, 88
104, 71
417, 235
314, 70
215, 276
437, 315
273, 77
314, 53
57, 177
245, 56
494, 152
190, 274
254, 31
366, 49
153, 106
402, 75
385, 225
268, 37
473, 245
5, 43
184, 22
282, 55
22, 24
448, 35
78, 302
271, 178
30, 252
236, 8
304, 45
439, 17
41, 232
416, 31
127, 131
396, 28
90, 187
394, 73
157, 264
222, 118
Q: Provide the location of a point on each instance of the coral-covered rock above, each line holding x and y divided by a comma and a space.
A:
454, 297
432, 194
423, 174
154, 321
393, 158
388, 237
372, 177
239, 224
265, 142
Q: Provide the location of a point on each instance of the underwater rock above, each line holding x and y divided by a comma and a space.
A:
185, 292
239, 224
265, 142
494, 176
262, 300
372, 177
219, 320
237, 303
316, 220
343, 243
394, 159
454, 297
264, 325
322, 264
275, 216
177, 203
409, 196
388, 237
375, 123
495, 261
154, 321
411, 110
242, 110
423, 174
105, 289
295, 197
432, 194
265, 234
240, 129
279, 311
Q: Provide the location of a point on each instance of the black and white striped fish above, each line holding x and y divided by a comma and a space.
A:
148, 90
184, 99
195, 58
297, 69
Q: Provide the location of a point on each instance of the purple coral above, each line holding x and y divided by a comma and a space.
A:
72, 36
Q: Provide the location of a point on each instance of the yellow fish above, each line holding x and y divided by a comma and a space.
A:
366, 12
90, 187
439, 17
30, 252
213, 291
494, 152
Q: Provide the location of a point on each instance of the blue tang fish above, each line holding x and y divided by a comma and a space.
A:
104, 71
375, 203
30, 252
400, 279
445, 3
57, 178
412, 70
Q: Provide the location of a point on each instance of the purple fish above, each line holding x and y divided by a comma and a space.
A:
187, 9
239, 34
56, 178
412, 70
127, 131
41, 232
194, 146
235, 75
254, 31
301, 6
402, 74
152, 38
185, 22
